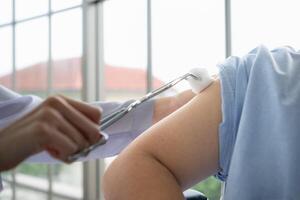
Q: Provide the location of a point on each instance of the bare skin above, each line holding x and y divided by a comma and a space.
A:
166, 105
177, 152
63, 126
59, 125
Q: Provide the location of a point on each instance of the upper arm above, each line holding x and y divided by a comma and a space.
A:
166, 105
186, 142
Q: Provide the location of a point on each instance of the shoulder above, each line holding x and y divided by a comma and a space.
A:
281, 64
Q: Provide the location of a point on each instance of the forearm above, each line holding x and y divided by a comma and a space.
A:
166, 105
138, 175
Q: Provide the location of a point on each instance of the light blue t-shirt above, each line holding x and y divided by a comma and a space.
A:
260, 132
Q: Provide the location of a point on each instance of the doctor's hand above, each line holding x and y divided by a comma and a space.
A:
59, 125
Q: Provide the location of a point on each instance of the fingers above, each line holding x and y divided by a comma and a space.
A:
55, 119
54, 141
92, 112
59, 125
63, 126
31, 138
87, 128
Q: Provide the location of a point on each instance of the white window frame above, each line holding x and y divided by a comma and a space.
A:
93, 68
44, 185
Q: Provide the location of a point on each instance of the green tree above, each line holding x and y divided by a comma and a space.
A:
211, 187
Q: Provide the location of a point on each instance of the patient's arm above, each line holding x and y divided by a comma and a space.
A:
166, 105
174, 154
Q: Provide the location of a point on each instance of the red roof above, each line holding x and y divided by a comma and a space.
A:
67, 76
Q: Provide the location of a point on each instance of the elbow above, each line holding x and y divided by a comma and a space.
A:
110, 184
139, 176
124, 177
118, 180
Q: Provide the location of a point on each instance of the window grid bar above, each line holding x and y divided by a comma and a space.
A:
14, 45
100, 165
228, 48
84, 72
13, 185
49, 91
49, 178
83, 59
6, 24
92, 66
228, 41
149, 58
39, 16
97, 86
49, 64
149, 47
58, 195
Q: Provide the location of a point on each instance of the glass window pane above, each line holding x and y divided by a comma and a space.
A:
186, 35
6, 56
67, 53
276, 27
67, 179
37, 170
62, 4
30, 8
5, 11
59, 198
125, 49
6, 175
31, 56
25, 194
6, 194
34, 176
66, 72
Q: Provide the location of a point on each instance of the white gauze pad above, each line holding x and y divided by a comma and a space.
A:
202, 82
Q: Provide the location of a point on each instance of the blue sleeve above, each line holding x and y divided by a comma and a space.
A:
254, 89
233, 74
259, 135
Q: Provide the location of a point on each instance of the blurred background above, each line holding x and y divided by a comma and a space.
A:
116, 50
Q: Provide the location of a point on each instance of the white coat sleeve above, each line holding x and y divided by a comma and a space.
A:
121, 133
13, 106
